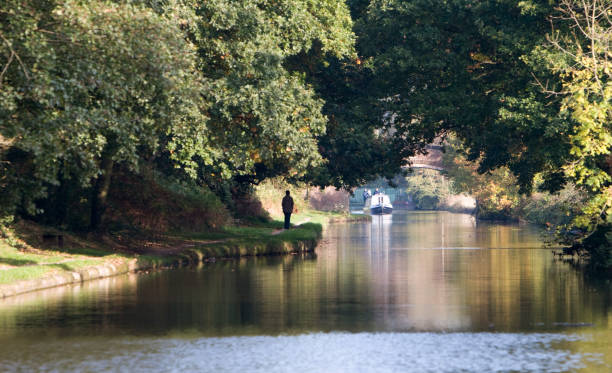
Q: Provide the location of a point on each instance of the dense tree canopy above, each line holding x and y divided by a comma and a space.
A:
324, 91
263, 115
522, 84
460, 67
86, 85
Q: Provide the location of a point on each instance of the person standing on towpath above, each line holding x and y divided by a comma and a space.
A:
287, 208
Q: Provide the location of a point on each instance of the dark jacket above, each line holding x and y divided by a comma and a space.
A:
287, 204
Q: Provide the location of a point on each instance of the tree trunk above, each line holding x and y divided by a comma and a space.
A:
61, 200
100, 190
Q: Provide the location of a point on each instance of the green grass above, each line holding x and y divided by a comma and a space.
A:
74, 265
212, 235
262, 230
230, 233
306, 231
29, 266
306, 215
156, 261
314, 216
262, 238
324, 217
261, 241
8, 276
259, 231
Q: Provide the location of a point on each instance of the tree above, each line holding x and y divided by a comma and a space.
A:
496, 192
459, 67
96, 84
516, 94
207, 86
579, 52
264, 116
357, 146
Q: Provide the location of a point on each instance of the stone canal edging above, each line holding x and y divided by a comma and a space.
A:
117, 267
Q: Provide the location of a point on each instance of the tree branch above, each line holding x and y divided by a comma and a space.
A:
9, 45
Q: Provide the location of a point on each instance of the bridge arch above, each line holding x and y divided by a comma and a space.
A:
432, 160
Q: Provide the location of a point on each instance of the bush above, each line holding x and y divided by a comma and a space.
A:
427, 189
328, 199
248, 208
554, 209
156, 202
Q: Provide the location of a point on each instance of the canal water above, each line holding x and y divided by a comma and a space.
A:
413, 292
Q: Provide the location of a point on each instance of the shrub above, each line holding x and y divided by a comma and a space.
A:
328, 199
554, 209
427, 189
157, 202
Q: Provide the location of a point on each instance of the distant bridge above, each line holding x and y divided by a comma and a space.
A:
432, 160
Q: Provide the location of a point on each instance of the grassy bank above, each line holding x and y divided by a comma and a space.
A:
34, 257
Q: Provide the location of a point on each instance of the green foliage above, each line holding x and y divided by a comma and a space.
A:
458, 66
264, 117
271, 192
90, 86
553, 210
95, 79
356, 146
496, 192
498, 196
578, 52
529, 104
188, 190
587, 83
236, 92
599, 247
427, 189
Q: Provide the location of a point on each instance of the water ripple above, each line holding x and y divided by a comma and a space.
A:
319, 352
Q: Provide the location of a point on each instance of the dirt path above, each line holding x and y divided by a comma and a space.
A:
278, 231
